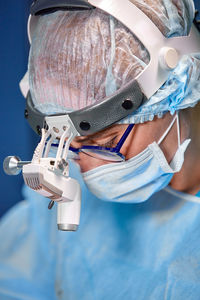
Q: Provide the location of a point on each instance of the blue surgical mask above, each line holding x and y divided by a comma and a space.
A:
136, 179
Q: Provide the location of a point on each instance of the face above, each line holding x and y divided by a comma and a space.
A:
139, 138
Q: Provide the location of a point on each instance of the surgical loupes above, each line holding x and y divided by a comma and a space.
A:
49, 176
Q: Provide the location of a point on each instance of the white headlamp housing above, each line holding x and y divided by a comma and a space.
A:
49, 176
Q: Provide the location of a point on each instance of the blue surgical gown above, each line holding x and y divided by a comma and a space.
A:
140, 251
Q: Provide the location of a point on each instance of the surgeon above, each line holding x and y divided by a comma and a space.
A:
139, 233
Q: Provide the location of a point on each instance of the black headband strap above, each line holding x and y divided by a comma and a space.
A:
39, 7
97, 116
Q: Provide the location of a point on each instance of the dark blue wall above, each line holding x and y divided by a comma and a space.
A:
15, 135
197, 4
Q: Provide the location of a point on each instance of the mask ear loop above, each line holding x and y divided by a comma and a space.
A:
178, 129
169, 128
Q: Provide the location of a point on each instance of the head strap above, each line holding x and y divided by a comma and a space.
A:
97, 116
40, 7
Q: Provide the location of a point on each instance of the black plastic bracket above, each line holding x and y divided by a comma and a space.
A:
41, 7
95, 117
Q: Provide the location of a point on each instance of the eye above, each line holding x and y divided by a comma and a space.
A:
109, 144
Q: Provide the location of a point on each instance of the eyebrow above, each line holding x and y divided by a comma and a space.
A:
105, 134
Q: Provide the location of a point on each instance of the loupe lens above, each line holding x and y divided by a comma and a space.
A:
104, 155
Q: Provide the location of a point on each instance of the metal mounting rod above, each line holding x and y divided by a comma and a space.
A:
12, 165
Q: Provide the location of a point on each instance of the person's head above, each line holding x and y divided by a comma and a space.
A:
77, 58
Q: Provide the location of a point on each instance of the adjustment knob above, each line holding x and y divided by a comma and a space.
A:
169, 58
12, 165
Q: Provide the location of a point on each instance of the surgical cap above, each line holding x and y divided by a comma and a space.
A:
79, 57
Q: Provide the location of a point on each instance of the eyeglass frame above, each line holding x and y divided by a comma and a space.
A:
115, 150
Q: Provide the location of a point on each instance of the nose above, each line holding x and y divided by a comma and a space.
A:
75, 143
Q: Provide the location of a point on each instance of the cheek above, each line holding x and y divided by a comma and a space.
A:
88, 163
146, 133
169, 145
141, 137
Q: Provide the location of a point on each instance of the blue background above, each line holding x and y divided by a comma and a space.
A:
15, 135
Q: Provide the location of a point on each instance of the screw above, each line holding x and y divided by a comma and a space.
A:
84, 125
62, 164
51, 204
38, 129
56, 130
26, 114
127, 104
46, 125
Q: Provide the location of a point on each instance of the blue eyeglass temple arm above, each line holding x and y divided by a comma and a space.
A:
117, 148
123, 138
